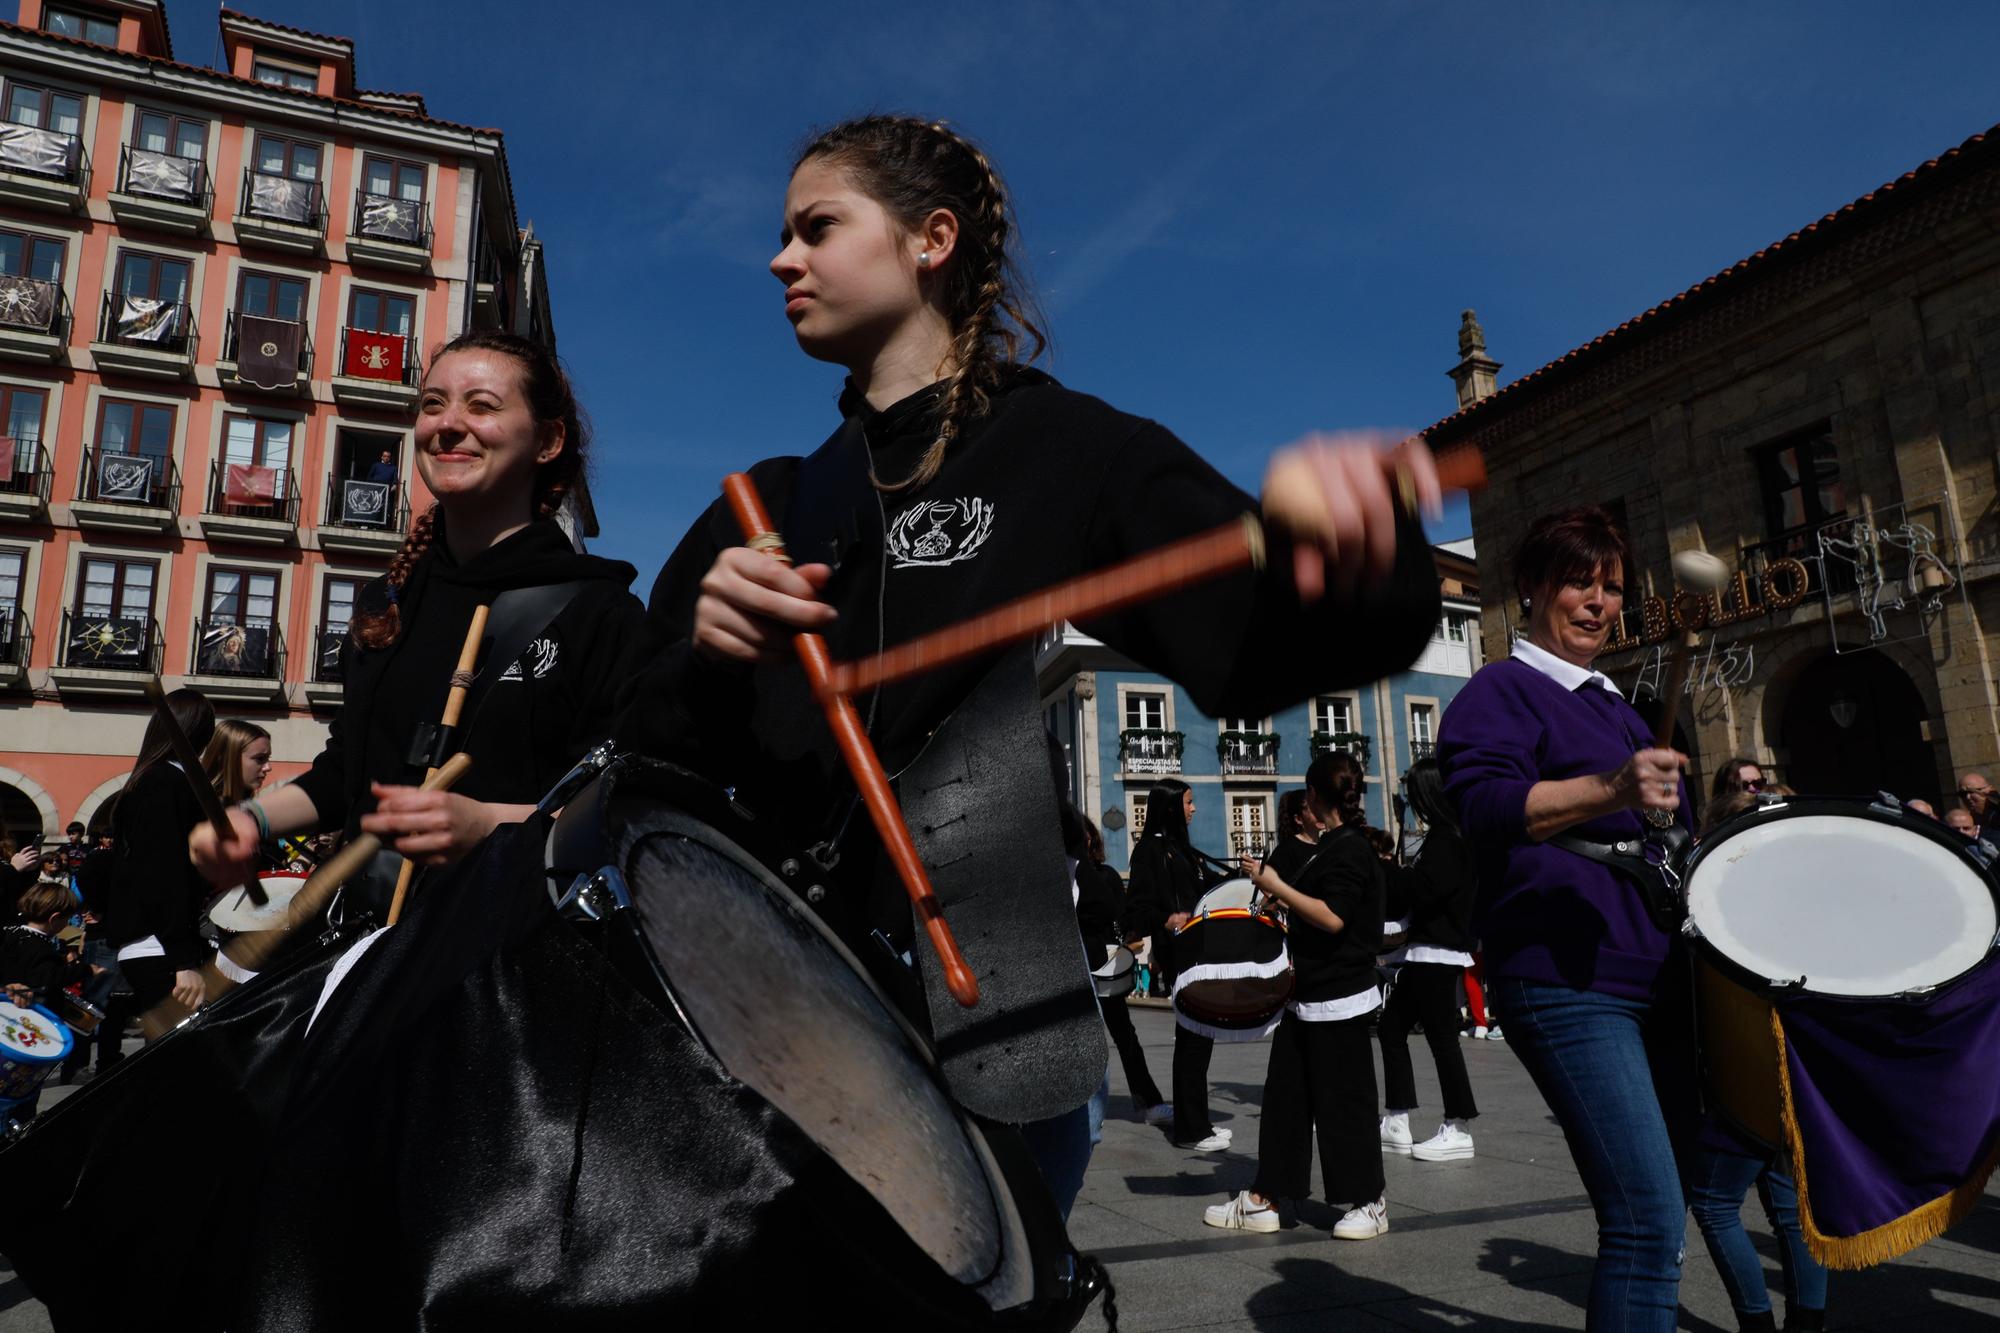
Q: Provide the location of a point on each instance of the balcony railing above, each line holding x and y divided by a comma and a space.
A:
281, 505
29, 473
1356, 743
132, 479
1148, 750
250, 649
1423, 750
281, 330
102, 641
34, 306
368, 355
166, 176
39, 152
388, 217
1248, 753
141, 321
353, 503
17, 637
287, 199
326, 655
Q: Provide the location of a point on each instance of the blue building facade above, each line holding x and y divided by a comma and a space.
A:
1122, 728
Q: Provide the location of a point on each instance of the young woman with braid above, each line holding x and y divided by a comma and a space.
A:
500, 443
980, 480
1321, 1077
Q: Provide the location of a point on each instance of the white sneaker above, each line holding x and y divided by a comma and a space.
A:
1215, 1142
1242, 1213
1364, 1223
1478, 1033
1160, 1114
1396, 1133
1450, 1143
1493, 1033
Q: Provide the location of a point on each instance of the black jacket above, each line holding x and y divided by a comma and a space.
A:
35, 960
1346, 875
549, 706
1100, 908
155, 889
1437, 892
1050, 484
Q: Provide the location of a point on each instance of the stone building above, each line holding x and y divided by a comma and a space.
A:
217, 287
1825, 417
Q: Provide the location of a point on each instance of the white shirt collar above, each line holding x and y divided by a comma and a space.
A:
1566, 674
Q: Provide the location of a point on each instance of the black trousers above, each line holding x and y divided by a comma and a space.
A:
1191, 1055
151, 980
1118, 1022
1321, 1078
1425, 993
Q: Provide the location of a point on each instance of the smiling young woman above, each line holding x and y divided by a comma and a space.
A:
500, 442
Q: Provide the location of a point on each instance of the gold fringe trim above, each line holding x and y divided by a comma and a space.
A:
1892, 1239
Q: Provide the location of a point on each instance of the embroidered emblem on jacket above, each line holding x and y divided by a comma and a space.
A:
540, 658
940, 532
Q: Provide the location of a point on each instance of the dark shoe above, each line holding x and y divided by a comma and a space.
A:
1805, 1318
1764, 1321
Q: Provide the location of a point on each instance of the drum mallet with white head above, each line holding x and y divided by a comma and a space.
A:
1696, 572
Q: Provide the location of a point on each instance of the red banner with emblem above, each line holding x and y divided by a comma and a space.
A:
374, 356
248, 484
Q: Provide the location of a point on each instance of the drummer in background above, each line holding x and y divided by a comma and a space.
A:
1322, 1072
34, 965
1100, 909
238, 763
156, 895
1723, 1165
1540, 744
1167, 882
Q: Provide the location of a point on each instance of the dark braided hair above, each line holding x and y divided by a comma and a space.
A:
551, 398
912, 167
1336, 777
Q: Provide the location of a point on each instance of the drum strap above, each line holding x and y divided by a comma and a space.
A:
1658, 880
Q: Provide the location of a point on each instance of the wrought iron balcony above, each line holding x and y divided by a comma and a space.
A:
269, 355
1422, 750
24, 491
102, 641
354, 503
261, 493
1248, 753
180, 182
1150, 751
17, 640
282, 212
43, 168
33, 305
142, 336
151, 480
326, 656
1357, 743
404, 225
361, 357
249, 649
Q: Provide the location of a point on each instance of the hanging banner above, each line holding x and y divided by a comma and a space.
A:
374, 356
7, 448
164, 175
283, 198
389, 218
125, 478
43, 152
364, 504
229, 649
267, 351
141, 319
248, 484
27, 303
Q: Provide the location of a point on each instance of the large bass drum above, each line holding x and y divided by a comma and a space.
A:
1845, 898
1235, 969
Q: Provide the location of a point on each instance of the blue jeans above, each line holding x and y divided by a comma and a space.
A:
1717, 1182
1062, 1144
1588, 1054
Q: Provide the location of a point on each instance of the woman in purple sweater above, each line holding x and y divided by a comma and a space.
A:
1540, 745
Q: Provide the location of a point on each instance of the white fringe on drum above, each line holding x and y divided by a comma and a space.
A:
226, 965
1233, 971
1333, 1011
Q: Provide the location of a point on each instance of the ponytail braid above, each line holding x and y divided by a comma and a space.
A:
912, 167
378, 629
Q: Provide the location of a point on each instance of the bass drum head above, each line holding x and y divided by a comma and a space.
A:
1230, 893
1841, 899
234, 910
783, 1007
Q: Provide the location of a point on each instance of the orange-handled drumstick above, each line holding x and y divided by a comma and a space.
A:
859, 752
1224, 550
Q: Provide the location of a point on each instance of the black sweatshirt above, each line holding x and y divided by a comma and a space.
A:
1437, 892
1346, 875
533, 723
1049, 485
1100, 908
155, 889
32, 959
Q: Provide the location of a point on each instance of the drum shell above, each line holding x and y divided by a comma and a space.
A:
80, 1015
1739, 1053
22, 1073
1118, 976
1235, 971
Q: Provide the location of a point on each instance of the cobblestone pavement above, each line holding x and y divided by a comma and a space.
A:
1502, 1241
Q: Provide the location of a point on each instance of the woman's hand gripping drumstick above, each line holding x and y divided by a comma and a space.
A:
855, 746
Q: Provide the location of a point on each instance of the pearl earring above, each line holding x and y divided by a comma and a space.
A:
924, 259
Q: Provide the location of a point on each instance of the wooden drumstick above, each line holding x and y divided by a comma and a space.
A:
204, 790
454, 706
1233, 546
1697, 571
859, 752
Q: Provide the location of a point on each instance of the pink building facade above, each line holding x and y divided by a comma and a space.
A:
217, 286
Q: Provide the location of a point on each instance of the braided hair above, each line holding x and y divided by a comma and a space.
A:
551, 398
1336, 777
912, 167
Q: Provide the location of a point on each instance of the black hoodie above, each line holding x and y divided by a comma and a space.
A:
1050, 484
533, 723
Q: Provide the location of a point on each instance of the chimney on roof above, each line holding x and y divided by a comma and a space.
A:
1475, 374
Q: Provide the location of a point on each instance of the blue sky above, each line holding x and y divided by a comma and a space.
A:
1245, 221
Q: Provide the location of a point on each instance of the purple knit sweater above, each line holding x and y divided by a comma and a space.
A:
1544, 914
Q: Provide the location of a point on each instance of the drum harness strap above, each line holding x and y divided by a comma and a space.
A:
1652, 862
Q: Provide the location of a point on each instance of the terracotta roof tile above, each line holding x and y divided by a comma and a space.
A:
1843, 222
348, 42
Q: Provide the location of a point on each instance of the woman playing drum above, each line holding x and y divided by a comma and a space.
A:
1536, 745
